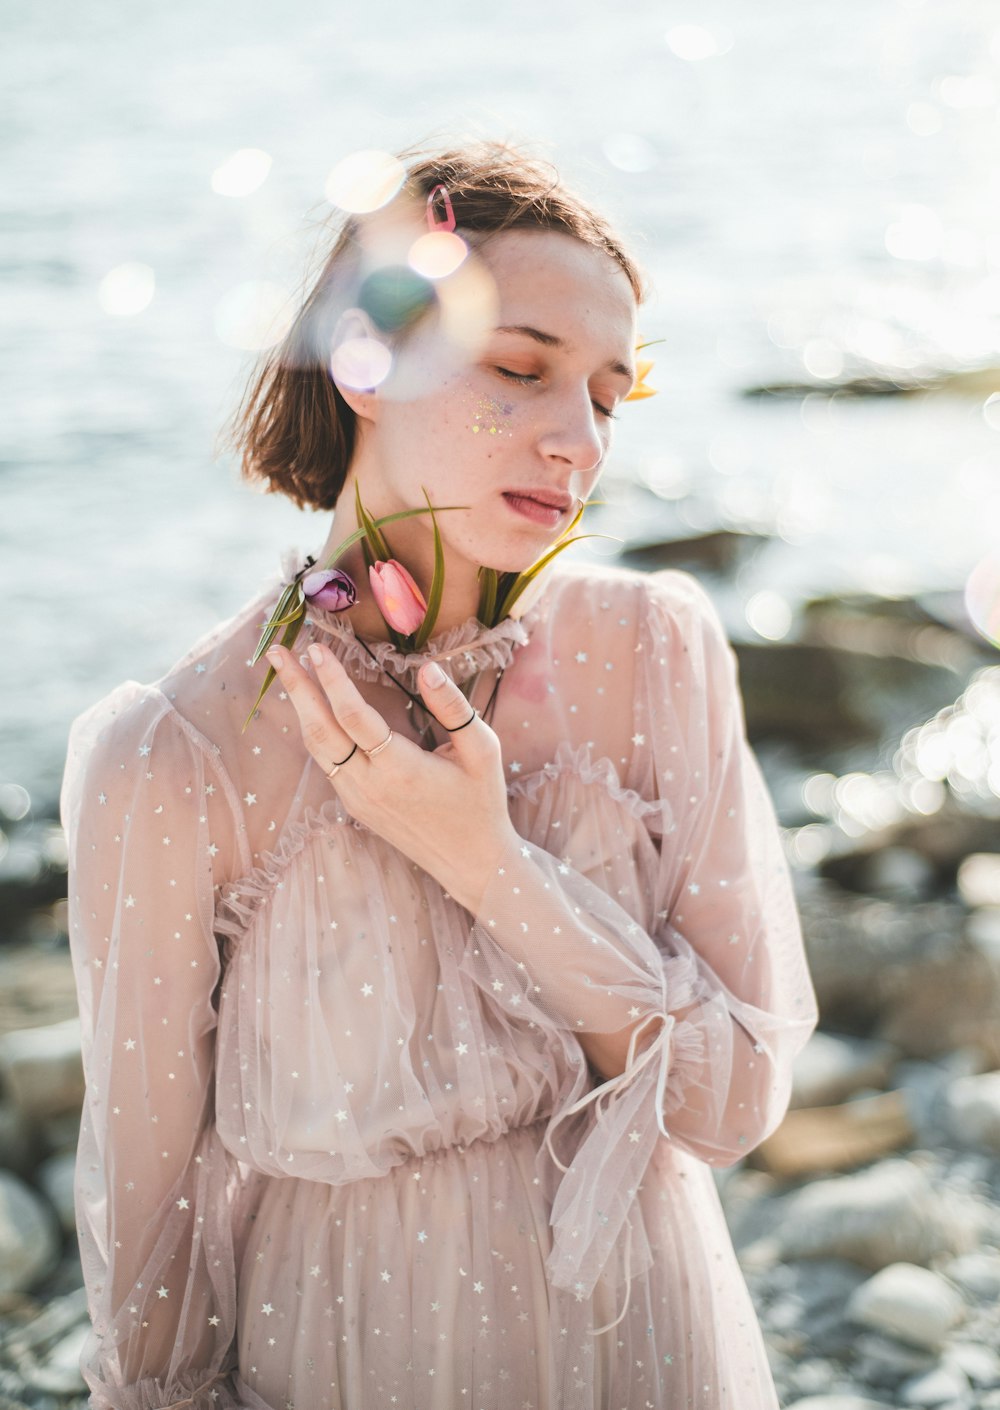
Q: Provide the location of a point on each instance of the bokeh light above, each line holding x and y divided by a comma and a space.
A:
629, 151
991, 411
242, 173
693, 42
437, 254
127, 289
365, 181
769, 614
982, 599
916, 235
253, 316
361, 363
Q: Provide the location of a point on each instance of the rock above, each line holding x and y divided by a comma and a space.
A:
889, 1213
42, 1068
977, 1274
839, 1402
979, 1363
884, 1361
55, 1178
828, 1138
832, 1067
17, 1140
972, 1111
943, 1386
910, 1303
899, 873
29, 1238
61, 1375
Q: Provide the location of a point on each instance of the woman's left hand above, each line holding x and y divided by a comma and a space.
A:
446, 810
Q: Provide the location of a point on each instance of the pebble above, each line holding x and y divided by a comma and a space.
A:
42, 1069
832, 1068
839, 1402
889, 1213
977, 1273
944, 1386
29, 1238
910, 1303
972, 1107
55, 1177
979, 1363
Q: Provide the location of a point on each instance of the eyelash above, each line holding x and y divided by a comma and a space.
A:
527, 378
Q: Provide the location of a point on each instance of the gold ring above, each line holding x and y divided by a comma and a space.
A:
379, 747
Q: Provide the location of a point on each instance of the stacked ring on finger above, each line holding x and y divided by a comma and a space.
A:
378, 748
331, 771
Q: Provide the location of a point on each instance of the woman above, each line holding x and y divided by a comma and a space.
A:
416, 1011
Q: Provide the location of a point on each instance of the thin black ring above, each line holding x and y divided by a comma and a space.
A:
341, 762
462, 726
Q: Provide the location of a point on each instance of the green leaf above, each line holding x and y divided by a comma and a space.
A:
372, 535
529, 573
437, 585
280, 617
292, 630
487, 596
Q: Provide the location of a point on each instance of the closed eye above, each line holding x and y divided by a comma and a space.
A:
525, 379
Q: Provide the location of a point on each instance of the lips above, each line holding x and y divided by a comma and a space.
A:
550, 499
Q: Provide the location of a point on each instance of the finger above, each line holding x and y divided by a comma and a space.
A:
323, 736
451, 708
361, 722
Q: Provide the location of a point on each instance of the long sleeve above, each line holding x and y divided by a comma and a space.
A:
704, 960
151, 828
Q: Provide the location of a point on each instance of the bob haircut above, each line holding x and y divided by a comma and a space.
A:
294, 431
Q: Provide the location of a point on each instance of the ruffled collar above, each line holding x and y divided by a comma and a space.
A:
463, 651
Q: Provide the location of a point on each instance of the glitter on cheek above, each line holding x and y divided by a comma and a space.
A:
492, 416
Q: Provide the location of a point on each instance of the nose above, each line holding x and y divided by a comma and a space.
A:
571, 433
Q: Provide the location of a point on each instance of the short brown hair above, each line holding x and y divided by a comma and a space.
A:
293, 429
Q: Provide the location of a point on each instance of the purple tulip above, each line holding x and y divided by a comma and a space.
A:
329, 589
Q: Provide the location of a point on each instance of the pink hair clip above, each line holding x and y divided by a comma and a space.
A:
432, 221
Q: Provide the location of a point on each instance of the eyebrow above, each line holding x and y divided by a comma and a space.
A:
549, 340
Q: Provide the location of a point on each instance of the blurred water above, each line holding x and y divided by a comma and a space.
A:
825, 180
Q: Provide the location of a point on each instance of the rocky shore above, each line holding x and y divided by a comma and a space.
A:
868, 1224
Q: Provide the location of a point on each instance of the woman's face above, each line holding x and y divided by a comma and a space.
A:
533, 415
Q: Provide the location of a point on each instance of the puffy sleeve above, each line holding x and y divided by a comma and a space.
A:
151, 827
704, 964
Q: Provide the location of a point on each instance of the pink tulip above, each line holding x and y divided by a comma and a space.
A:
399, 599
329, 589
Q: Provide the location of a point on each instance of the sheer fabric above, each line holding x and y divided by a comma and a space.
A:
342, 1144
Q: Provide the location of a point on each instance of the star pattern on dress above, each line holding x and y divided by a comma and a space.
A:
239, 889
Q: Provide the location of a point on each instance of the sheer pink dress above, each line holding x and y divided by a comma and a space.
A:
342, 1148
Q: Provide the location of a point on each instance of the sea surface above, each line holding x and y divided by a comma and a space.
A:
811, 189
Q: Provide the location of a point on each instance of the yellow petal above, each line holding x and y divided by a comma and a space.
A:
640, 391
643, 369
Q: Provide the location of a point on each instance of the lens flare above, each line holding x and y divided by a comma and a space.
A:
127, 289
437, 254
361, 363
693, 42
253, 316
770, 615
364, 181
982, 599
242, 173
630, 151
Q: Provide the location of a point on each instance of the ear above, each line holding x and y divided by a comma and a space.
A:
359, 361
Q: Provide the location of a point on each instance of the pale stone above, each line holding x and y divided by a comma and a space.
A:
42, 1069
910, 1303
29, 1238
832, 1068
972, 1107
943, 1386
889, 1213
55, 1178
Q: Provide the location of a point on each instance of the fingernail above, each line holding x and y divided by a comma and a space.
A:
315, 654
433, 674
275, 658
303, 660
